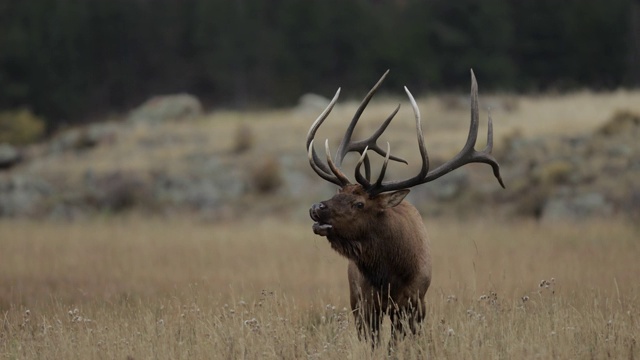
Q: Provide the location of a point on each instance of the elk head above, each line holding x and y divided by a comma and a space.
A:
356, 207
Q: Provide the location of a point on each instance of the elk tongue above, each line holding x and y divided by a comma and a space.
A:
321, 229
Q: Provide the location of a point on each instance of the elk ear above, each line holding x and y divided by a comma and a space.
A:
391, 199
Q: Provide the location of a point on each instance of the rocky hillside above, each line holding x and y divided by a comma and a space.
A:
572, 177
168, 157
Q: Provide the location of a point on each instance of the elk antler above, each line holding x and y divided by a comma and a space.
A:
467, 155
332, 172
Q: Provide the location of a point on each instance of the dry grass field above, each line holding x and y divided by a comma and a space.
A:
133, 288
263, 287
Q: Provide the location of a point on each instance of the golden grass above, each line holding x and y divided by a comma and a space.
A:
137, 288
141, 288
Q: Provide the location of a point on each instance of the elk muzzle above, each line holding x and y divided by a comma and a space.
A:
320, 214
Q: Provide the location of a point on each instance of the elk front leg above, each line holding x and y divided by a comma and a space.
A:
407, 318
367, 322
367, 316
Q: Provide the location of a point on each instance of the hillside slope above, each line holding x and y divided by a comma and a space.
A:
563, 157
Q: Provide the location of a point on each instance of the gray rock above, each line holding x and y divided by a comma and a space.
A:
620, 150
85, 137
103, 132
195, 193
167, 108
22, 195
64, 141
576, 207
9, 156
208, 185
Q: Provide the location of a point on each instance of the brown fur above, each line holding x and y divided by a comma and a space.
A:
389, 255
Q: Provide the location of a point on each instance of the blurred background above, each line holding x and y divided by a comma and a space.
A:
203, 105
70, 61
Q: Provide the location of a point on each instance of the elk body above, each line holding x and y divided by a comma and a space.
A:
376, 229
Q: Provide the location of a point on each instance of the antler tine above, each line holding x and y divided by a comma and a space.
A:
343, 180
421, 146
318, 166
379, 186
371, 141
314, 165
364, 181
367, 165
383, 169
489, 147
487, 150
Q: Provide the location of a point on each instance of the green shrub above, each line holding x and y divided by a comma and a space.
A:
20, 127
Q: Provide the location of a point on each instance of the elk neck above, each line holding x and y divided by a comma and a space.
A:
393, 252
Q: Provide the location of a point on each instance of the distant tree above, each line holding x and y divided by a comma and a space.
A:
633, 70
72, 60
570, 43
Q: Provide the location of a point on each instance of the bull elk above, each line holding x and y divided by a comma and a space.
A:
375, 228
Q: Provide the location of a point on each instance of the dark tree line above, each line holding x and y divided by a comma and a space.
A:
69, 60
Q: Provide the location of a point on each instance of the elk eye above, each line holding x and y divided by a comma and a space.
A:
359, 205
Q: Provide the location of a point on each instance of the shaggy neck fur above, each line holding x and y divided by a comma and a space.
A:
385, 254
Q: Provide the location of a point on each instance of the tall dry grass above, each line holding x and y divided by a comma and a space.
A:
137, 288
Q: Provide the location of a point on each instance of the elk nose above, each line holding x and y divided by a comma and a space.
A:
318, 206
315, 208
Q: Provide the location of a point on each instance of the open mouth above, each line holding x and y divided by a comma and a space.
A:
319, 226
